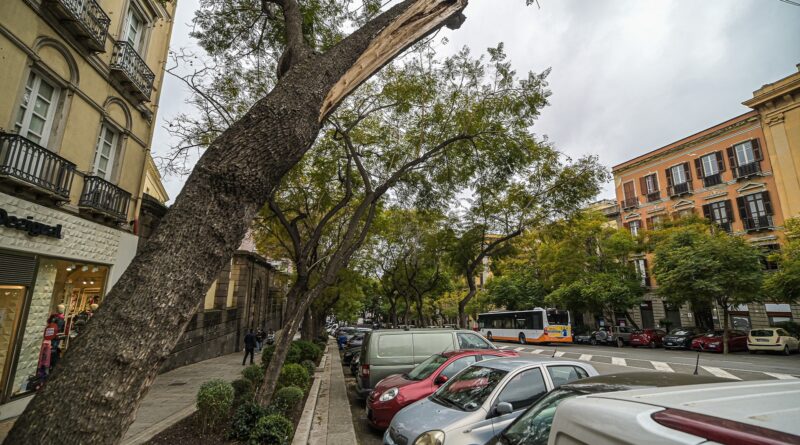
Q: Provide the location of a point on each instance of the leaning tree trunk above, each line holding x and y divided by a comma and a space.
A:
307, 333
110, 367
463, 321
725, 333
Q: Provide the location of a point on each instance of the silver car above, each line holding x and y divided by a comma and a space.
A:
480, 401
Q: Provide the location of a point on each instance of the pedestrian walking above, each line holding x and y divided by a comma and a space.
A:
249, 346
260, 339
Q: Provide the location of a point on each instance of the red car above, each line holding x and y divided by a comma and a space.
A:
737, 341
647, 337
397, 391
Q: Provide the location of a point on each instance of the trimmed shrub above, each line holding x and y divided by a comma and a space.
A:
214, 401
293, 375
273, 429
287, 401
244, 420
293, 355
255, 374
266, 355
310, 366
243, 391
308, 351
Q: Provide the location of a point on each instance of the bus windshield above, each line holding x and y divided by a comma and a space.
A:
555, 317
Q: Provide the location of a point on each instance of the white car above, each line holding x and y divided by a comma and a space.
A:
772, 339
752, 412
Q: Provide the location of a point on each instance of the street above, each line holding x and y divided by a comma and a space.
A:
609, 359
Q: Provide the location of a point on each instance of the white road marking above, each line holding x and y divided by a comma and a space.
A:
537, 351
661, 366
558, 354
719, 372
780, 376
518, 349
504, 347
618, 361
585, 357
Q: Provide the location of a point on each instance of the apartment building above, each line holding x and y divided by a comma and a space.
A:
80, 86
724, 174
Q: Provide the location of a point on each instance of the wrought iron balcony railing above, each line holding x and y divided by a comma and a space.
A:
25, 161
85, 19
629, 203
756, 223
104, 197
654, 196
747, 170
712, 180
680, 189
132, 70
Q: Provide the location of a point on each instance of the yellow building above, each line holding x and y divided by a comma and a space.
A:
152, 182
778, 105
79, 87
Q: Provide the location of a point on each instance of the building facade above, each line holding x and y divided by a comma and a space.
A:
80, 87
725, 174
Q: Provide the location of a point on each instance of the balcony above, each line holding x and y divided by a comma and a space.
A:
654, 196
610, 210
27, 163
85, 19
712, 180
747, 170
726, 226
629, 203
105, 198
680, 189
757, 223
132, 71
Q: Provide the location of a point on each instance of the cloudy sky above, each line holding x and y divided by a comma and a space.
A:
628, 76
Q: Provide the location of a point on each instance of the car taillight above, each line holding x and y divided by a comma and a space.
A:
364, 370
723, 431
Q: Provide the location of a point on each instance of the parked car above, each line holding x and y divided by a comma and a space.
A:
712, 342
681, 338
395, 352
480, 400
583, 338
533, 426
652, 338
354, 363
615, 335
754, 412
400, 390
772, 339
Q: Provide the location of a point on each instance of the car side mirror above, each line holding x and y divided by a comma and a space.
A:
440, 379
503, 408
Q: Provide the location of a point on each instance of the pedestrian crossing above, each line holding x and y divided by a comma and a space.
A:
733, 374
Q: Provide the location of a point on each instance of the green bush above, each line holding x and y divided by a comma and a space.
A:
293, 355
293, 375
255, 374
266, 355
273, 429
310, 367
308, 351
287, 400
214, 401
244, 420
243, 391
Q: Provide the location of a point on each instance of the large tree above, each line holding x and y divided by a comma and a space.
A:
706, 267
111, 366
784, 284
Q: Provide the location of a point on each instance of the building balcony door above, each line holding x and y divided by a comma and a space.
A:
648, 320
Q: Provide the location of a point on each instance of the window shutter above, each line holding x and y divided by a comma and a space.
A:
742, 207
698, 166
729, 210
720, 161
767, 202
626, 225
643, 185
17, 269
707, 212
757, 150
688, 172
732, 160
669, 177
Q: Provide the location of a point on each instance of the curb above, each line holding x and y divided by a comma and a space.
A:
304, 426
154, 430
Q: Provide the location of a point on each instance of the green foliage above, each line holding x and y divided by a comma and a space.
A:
243, 391
266, 355
517, 291
255, 374
310, 366
287, 400
293, 374
307, 350
784, 284
214, 402
273, 429
244, 420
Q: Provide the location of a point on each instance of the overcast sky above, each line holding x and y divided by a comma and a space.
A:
628, 76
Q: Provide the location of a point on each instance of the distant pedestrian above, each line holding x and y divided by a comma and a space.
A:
249, 346
260, 335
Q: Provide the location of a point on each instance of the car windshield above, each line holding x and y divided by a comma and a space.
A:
557, 317
762, 333
533, 426
680, 332
469, 389
714, 334
426, 368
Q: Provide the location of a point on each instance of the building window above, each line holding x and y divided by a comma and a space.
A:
629, 195
37, 110
769, 255
710, 168
744, 158
678, 175
721, 213
654, 221
744, 153
134, 29
649, 185
634, 227
641, 271
778, 313
679, 179
755, 211
106, 151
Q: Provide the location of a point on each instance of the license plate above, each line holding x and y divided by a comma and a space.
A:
669, 343
762, 339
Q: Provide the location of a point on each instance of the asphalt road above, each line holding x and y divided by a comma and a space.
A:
609, 359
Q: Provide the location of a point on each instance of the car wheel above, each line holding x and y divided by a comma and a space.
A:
489, 336
593, 341
786, 350
652, 344
620, 343
522, 339
751, 351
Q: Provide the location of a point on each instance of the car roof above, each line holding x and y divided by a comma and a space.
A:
623, 381
452, 353
768, 403
512, 363
399, 331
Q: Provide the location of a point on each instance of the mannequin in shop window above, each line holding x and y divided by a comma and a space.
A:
57, 319
83, 318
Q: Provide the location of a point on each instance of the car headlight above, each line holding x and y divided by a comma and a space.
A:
389, 394
434, 437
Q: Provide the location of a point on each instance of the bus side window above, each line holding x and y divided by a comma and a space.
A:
537, 321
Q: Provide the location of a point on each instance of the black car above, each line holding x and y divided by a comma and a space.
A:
681, 338
532, 427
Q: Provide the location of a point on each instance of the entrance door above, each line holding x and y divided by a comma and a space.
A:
648, 321
674, 317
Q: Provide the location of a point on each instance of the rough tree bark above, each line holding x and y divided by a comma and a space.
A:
111, 366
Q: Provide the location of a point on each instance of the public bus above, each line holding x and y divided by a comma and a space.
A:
527, 327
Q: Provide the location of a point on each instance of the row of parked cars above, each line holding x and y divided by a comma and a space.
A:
697, 339
437, 387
